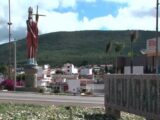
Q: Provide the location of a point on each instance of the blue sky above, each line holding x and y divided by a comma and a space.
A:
93, 10
75, 15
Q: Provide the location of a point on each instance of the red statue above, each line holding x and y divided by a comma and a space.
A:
32, 37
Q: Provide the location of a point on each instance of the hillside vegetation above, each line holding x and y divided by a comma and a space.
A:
78, 47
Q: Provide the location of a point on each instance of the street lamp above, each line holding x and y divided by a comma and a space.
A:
9, 35
157, 36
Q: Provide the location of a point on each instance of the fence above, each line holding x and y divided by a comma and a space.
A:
137, 94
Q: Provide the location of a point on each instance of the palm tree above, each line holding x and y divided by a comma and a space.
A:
107, 50
117, 48
108, 47
133, 37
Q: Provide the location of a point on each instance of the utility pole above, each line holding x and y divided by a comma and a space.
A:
15, 65
9, 24
131, 57
157, 62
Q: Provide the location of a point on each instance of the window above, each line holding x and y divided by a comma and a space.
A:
48, 75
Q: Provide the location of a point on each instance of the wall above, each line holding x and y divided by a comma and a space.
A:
1, 78
137, 94
96, 88
73, 86
86, 71
138, 70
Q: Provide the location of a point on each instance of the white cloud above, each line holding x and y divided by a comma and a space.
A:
88, 1
68, 3
58, 22
136, 15
118, 1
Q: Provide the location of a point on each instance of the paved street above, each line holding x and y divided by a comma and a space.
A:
33, 98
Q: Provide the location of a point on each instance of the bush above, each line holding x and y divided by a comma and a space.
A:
7, 84
56, 91
41, 90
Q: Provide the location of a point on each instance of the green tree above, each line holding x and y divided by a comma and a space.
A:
133, 37
117, 48
108, 49
3, 69
84, 63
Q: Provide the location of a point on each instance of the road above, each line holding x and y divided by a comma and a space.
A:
34, 98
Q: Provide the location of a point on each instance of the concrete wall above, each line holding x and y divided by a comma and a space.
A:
96, 88
138, 70
73, 86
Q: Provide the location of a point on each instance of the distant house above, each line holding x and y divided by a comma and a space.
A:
60, 82
85, 71
73, 86
44, 75
96, 69
69, 69
59, 87
96, 89
148, 63
20, 70
145, 63
63, 78
1, 77
84, 83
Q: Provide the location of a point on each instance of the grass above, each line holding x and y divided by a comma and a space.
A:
38, 112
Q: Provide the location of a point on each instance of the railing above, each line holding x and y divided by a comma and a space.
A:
137, 94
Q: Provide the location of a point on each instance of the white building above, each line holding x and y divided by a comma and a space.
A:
44, 75
1, 77
96, 89
151, 46
73, 86
47, 66
138, 70
63, 78
69, 69
86, 71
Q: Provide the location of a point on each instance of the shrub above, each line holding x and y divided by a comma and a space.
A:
7, 84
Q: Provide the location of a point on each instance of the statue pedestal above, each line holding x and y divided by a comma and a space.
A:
31, 77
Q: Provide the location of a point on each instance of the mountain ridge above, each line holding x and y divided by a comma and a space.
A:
77, 47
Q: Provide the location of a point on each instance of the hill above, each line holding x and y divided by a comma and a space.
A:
78, 47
